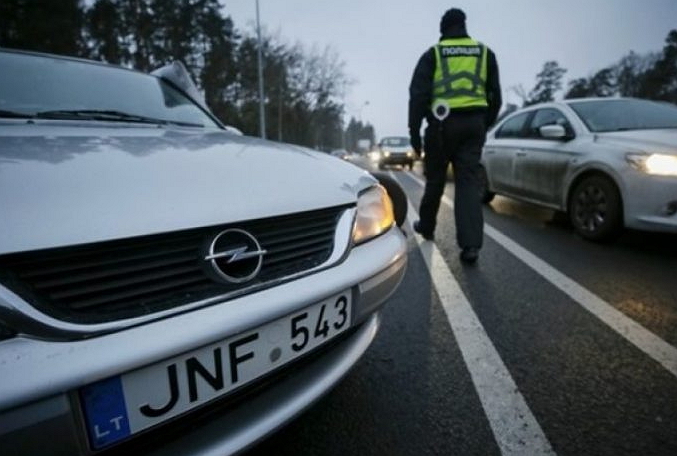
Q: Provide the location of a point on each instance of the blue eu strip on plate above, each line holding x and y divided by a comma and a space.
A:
105, 412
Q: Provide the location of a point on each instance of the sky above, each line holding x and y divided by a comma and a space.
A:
380, 41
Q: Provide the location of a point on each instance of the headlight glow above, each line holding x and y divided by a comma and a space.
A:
663, 165
656, 164
386, 153
374, 214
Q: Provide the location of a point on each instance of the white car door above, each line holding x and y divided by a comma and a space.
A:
499, 153
541, 164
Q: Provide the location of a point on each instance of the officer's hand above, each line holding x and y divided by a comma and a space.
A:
415, 140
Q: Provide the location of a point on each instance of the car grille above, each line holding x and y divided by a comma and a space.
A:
119, 279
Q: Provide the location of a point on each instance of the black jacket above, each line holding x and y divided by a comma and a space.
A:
421, 88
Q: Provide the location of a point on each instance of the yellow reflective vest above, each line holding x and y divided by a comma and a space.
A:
460, 74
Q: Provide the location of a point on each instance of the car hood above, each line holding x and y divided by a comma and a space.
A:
662, 141
63, 185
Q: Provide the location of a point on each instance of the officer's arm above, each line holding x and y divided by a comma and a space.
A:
493, 89
420, 95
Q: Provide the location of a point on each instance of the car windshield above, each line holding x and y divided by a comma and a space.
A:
46, 87
396, 142
620, 115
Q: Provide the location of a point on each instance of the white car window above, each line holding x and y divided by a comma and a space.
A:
513, 127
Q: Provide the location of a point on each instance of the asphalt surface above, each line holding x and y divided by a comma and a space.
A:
592, 390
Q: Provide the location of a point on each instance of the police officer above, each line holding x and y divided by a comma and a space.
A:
455, 87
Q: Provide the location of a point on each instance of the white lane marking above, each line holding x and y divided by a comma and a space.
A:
515, 428
636, 334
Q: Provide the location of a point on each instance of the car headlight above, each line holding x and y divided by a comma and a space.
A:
386, 153
374, 214
410, 154
657, 164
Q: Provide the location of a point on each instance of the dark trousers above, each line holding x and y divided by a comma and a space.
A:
457, 140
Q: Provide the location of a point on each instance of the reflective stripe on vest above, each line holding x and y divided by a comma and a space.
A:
460, 73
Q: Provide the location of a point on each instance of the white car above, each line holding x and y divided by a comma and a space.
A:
167, 284
395, 150
608, 162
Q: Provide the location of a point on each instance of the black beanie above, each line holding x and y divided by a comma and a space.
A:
452, 18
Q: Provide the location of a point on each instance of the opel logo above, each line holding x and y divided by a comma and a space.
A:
235, 256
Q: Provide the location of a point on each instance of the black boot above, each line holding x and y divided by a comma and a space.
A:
469, 255
426, 236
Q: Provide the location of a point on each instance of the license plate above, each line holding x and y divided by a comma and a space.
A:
123, 405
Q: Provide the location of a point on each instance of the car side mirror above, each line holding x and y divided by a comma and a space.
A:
553, 132
177, 74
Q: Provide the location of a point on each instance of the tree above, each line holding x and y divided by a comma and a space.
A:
304, 89
282, 104
304, 92
548, 82
650, 76
146, 34
601, 84
520, 92
630, 72
578, 88
357, 130
103, 33
218, 72
660, 81
319, 80
352, 134
42, 25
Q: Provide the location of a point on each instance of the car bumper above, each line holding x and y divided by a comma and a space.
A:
39, 406
396, 160
650, 203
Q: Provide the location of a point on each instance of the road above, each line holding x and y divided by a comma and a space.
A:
549, 345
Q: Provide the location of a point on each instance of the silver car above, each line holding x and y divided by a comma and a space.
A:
167, 285
395, 150
607, 162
